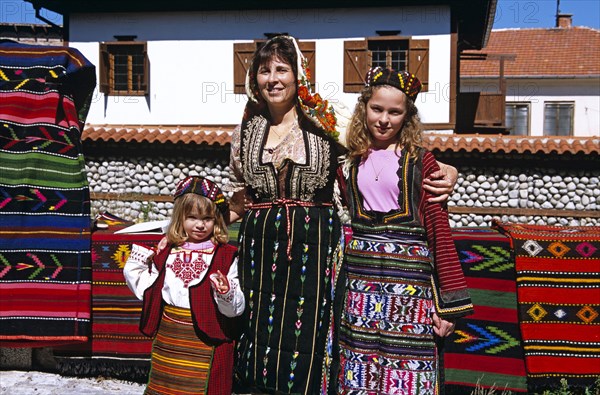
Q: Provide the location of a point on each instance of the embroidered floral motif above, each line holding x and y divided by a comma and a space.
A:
186, 269
314, 106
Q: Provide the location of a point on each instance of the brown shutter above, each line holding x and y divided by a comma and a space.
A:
242, 56
146, 80
355, 65
308, 50
104, 68
418, 61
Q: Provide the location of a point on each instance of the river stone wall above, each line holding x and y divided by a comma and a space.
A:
501, 181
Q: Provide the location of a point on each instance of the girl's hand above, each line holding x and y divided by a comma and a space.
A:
441, 183
441, 327
162, 244
219, 282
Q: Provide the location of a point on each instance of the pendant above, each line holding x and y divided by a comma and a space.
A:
376, 178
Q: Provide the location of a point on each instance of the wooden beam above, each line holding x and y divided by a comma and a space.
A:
130, 197
141, 197
524, 211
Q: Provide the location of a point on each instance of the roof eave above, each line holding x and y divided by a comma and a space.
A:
533, 77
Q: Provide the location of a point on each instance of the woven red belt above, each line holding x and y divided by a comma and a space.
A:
287, 203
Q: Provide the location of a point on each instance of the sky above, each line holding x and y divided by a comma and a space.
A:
509, 13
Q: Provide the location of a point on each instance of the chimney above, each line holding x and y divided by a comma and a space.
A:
564, 21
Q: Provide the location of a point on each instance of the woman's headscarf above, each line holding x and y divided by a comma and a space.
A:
319, 111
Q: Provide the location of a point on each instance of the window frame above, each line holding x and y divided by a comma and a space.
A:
516, 104
242, 57
107, 83
571, 104
358, 60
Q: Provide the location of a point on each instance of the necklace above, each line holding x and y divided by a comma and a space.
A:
283, 130
377, 173
285, 133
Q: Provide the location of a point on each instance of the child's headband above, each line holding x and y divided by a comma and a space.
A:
203, 187
403, 80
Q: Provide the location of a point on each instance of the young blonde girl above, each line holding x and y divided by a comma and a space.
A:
190, 294
405, 285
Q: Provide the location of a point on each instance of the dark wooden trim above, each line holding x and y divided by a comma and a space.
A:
130, 197
524, 211
141, 197
454, 78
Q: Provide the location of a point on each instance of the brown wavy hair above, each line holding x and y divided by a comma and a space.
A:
358, 138
279, 47
200, 205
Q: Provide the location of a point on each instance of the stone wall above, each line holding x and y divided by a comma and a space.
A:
520, 188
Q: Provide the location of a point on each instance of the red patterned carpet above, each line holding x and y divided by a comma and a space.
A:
485, 349
117, 348
558, 293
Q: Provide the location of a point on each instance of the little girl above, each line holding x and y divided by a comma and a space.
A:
190, 293
405, 285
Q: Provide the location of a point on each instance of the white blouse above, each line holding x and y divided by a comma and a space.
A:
184, 268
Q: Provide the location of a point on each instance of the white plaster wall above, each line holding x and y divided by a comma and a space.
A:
191, 57
585, 93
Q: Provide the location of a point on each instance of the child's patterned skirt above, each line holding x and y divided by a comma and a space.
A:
181, 362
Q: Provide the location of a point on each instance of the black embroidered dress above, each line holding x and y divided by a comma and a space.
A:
289, 252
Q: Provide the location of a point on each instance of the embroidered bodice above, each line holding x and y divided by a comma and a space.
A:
305, 172
410, 177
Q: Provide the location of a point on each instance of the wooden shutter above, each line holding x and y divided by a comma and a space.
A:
146, 79
242, 56
418, 61
355, 65
308, 50
104, 68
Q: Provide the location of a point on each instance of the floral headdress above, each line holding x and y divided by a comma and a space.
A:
403, 80
318, 110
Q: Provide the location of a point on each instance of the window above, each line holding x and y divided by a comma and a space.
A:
400, 53
124, 68
517, 118
389, 54
242, 56
558, 118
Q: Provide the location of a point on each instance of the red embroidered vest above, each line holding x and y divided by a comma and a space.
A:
210, 325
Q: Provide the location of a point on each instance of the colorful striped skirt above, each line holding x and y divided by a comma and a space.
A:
387, 340
181, 362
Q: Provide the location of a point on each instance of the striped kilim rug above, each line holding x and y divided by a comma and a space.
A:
45, 273
485, 348
558, 292
117, 348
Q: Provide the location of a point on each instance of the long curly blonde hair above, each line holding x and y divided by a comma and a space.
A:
194, 203
358, 138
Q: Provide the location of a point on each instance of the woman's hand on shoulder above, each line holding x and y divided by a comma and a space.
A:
441, 183
162, 244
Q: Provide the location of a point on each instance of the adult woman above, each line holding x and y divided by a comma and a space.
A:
284, 160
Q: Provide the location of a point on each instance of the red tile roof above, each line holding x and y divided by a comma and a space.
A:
221, 135
539, 52
518, 144
211, 135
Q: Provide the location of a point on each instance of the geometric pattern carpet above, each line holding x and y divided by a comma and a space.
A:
45, 273
485, 349
558, 294
117, 347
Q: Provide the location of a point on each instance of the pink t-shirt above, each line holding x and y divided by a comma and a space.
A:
378, 180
